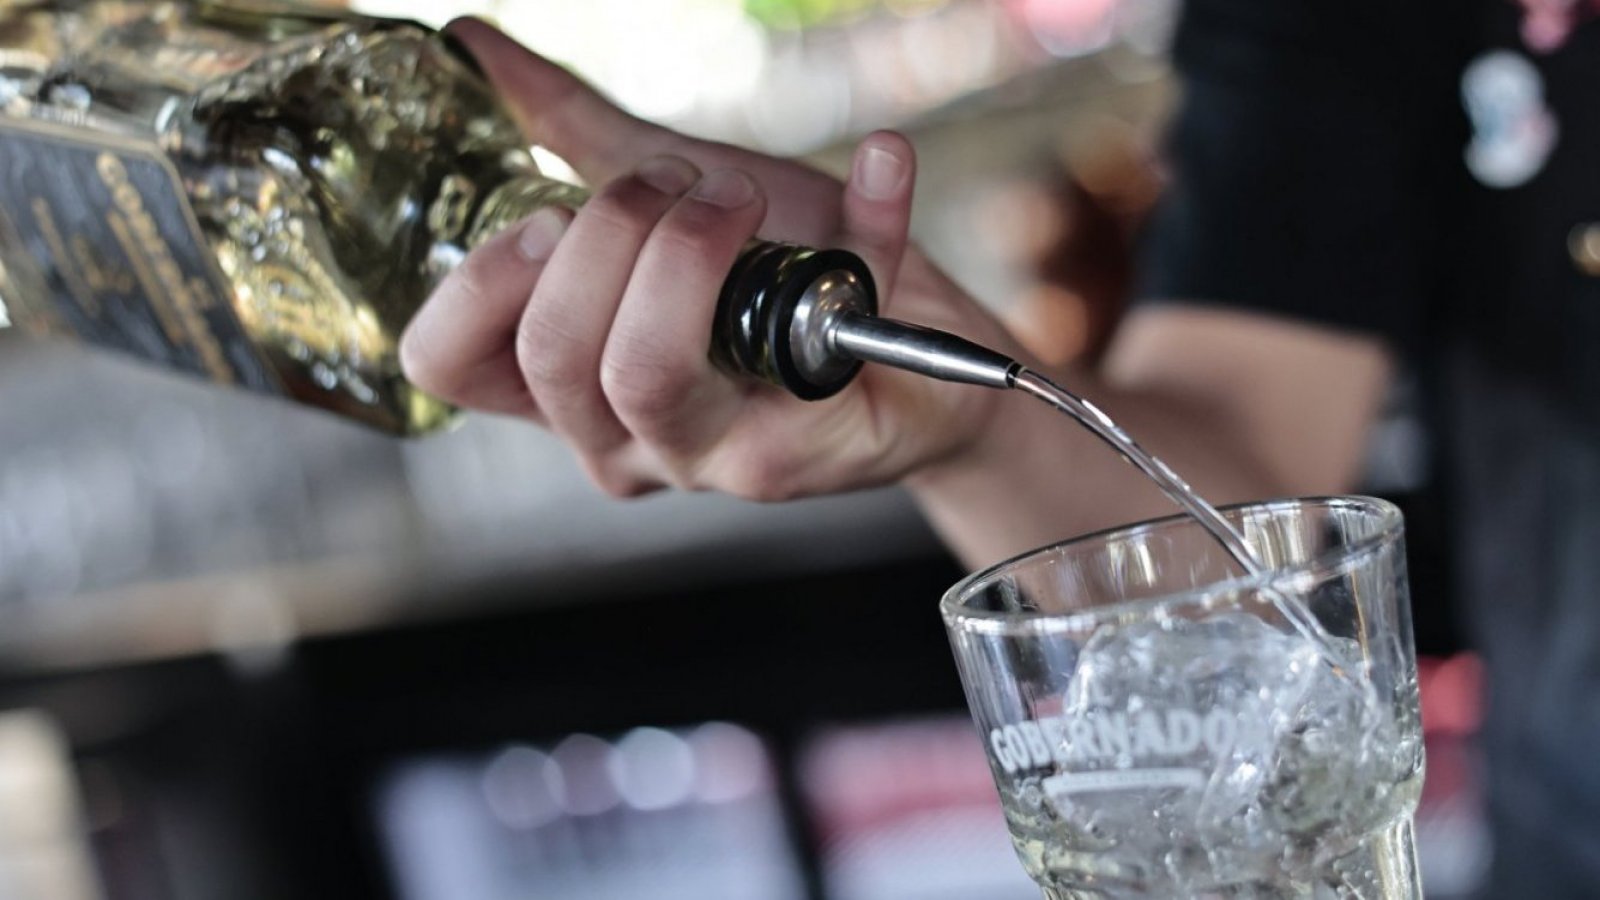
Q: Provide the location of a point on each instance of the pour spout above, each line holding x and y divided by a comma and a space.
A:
926, 351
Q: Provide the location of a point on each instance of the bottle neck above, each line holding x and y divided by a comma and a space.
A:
517, 199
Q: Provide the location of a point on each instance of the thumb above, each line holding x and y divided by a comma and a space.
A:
559, 111
876, 213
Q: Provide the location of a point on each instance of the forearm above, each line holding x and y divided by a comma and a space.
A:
1035, 476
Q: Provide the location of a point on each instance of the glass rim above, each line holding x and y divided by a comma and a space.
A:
959, 618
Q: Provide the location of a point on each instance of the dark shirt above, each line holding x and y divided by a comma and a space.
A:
1326, 168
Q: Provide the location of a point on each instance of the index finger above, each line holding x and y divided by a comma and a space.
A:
603, 142
557, 110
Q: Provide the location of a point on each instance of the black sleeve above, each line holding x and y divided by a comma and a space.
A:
1297, 159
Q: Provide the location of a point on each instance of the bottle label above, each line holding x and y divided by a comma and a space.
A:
118, 253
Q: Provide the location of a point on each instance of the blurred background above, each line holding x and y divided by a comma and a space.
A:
249, 651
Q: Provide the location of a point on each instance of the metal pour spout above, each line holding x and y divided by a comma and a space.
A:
926, 351
805, 320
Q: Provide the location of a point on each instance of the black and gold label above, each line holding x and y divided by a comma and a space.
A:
114, 245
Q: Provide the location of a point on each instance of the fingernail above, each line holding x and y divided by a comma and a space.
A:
667, 174
540, 234
879, 173
727, 188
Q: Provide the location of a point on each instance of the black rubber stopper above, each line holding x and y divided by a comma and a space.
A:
757, 308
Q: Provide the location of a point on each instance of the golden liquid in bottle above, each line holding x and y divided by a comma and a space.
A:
334, 168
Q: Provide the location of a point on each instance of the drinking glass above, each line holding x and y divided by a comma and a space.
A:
1157, 727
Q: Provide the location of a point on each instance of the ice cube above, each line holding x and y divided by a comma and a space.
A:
1222, 746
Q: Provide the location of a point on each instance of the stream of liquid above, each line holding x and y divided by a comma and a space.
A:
1104, 427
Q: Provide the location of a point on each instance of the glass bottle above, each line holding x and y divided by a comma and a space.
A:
263, 194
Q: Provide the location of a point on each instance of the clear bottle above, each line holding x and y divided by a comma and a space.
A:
263, 195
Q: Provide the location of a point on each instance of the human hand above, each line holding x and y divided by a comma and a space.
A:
597, 325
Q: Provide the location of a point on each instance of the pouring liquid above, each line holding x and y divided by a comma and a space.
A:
950, 358
1104, 427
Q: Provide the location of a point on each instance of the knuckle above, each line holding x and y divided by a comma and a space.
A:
680, 240
617, 218
680, 475
696, 230
874, 245
626, 205
762, 478
469, 282
644, 388
549, 360
620, 483
420, 361
428, 356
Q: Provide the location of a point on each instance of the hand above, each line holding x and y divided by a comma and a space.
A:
597, 325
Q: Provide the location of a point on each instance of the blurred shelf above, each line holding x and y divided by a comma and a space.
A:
145, 515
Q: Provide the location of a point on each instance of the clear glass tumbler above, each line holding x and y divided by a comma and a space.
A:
1158, 728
